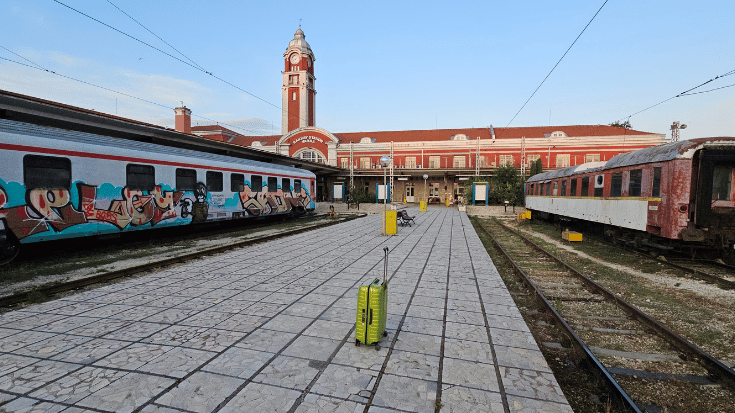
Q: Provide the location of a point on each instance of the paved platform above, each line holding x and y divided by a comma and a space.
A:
270, 328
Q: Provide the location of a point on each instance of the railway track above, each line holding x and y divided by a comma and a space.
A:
647, 366
51, 289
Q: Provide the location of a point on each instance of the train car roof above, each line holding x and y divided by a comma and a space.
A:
106, 141
661, 153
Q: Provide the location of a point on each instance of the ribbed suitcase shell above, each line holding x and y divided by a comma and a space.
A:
372, 311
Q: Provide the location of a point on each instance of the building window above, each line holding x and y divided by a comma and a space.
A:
294, 96
592, 157
293, 79
364, 163
562, 160
312, 156
344, 163
634, 184
140, 177
532, 158
186, 179
410, 162
656, 187
237, 182
616, 184
435, 162
505, 160
459, 161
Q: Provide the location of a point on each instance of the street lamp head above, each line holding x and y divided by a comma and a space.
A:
426, 177
384, 161
683, 126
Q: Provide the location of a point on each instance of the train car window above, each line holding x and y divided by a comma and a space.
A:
585, 186
297, 185
656, 187
237, 182
140, 177
186, 179
530, 189
573, 188
564, 188
286, 185
272, 184
634, 184
722, 183
46, 172
256, 183
215, 181
556, 188
616, 184
548, 188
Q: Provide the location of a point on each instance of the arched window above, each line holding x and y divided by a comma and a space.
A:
310, 155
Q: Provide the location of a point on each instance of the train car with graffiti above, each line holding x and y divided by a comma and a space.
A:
56, 184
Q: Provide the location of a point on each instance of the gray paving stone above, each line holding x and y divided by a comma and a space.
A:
133, 356
12, 362
416, 365
329, 329
470, 332
256, 397
201, 392
346, 382
266, 340
521, 358
288, 323
513, 338
405, 393
177, 362
419, 343
35, 375
127, 393
532, 384
238, 362
78, 385
27, 405
463, 399
52, 345
313, 403
289, 372
363, 357
470, 374
468, 350
314, 348
523, 405
135, 331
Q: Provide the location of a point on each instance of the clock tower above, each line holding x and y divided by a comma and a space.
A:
298, 93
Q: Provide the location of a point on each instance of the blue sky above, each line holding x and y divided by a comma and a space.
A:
385, 65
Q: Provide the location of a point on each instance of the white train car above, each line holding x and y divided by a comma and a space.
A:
56, 183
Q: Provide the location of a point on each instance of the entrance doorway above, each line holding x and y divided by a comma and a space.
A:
409, 193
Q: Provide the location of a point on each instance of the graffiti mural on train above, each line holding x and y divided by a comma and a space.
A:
47, 209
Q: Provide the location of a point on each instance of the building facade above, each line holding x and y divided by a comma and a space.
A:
445, 156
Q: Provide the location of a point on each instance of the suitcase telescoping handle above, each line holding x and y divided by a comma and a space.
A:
385, 265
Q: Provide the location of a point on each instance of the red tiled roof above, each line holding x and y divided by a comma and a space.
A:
484, 133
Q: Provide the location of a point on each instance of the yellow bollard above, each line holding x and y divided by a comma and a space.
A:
422, 206
391, 223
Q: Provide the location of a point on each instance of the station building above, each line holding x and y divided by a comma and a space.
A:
446, 157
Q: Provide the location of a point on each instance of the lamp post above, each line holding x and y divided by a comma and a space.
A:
675, 130
384, 162
426, 193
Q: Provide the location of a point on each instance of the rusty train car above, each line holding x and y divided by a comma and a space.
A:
675, 196
56, 184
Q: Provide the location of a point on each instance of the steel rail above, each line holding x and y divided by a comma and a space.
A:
55, 288
713, 365
580, 346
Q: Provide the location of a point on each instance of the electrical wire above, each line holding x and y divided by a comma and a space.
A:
174, 57
557, 63
118, 92
687, 93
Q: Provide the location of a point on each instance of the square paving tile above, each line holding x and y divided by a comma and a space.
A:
419, 343
288, 323
266, 340
289, 372
524, 405
345, 382
463, 399
416, 365
135, 331
405, 393
201, 392
52, 345
363, 357
468, 350
423, 326
78, 385
133, 356
470, 374
238, 362
532, 384
256, 397
127, 393
470, 332
35, 375
90, 351
329, 329
177, 362
521, 358
313, 403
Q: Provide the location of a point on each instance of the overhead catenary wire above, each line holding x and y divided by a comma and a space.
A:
177, 58
687, 93
557, 63
117, 92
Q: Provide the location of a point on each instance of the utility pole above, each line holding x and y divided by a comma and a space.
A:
675, 131
352, 170
477, 158
523, 156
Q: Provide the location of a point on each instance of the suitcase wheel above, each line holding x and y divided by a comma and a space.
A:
357, 343
385, 334
377, 347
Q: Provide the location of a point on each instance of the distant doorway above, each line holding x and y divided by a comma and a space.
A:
409, 193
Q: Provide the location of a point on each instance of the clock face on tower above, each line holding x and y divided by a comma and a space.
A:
295, 58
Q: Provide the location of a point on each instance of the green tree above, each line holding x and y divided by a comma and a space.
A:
537, 167
619, 124
507, 185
